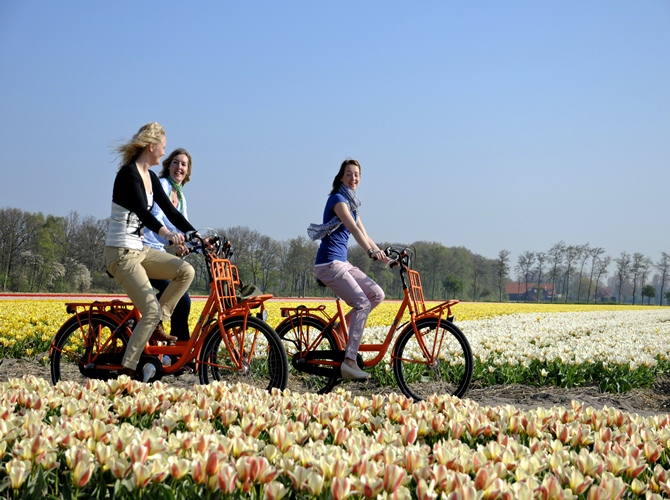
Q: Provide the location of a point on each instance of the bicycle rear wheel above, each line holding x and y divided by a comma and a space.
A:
444, 368
302, 335
253, 356
83, 340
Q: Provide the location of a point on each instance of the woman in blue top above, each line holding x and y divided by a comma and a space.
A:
362, 294
177, 168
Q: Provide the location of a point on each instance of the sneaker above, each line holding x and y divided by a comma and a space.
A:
159, 334
353, 373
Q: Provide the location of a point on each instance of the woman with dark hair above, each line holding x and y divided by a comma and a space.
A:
177, 168
136, 188
362, 294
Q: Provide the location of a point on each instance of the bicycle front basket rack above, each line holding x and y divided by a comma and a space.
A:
225, 283
416, 291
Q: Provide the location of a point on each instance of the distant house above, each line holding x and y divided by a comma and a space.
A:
517, 292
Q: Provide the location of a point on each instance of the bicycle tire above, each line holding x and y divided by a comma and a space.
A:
293, 333
70, 355
264, 371
450, 373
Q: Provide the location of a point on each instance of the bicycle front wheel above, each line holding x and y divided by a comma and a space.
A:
82, 341
441, 363
253, 355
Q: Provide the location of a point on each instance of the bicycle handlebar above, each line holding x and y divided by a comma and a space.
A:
214, 246
398, 256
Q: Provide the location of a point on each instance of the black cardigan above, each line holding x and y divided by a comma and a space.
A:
129, 193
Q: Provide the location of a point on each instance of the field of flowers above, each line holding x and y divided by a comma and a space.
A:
124, 439
616, 347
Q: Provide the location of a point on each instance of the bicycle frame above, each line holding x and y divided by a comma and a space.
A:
221, 304
413, 302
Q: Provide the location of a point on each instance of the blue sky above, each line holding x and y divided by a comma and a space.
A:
490, 125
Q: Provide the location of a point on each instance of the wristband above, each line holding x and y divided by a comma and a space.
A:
370, 252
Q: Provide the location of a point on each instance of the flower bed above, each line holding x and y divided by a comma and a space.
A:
124, 439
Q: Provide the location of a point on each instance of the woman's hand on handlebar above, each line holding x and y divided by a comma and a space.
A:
175, 238
182, 250
378, 255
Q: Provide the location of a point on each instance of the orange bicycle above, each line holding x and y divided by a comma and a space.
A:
431, 354
229, 342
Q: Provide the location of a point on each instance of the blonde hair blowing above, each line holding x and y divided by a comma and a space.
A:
151, 133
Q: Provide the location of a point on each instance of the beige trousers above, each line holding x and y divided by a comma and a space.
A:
132, 269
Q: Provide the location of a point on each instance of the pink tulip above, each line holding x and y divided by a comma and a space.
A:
138, 453
597, 493
393, 477
227, 478
550, 488
119, 467
198, 472
314, 484
141, 475
212, 463
275, 490
340, 488
652, 451
341, 436
18, 471
82, 473
371, 486
179, 468
408, 434
578, 483
298, 476
425, 491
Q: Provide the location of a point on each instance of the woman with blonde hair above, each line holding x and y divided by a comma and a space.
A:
136, 189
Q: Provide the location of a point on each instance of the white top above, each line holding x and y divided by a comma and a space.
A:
125, 229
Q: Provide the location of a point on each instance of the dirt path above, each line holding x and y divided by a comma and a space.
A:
654, 401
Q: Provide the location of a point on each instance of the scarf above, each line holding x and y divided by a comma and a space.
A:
320, 231
177, 188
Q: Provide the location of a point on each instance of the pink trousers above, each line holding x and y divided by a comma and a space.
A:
359, 292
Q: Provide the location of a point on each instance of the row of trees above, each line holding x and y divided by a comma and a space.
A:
584, 274
41, 253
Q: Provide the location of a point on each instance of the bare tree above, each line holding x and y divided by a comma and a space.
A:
556, 258
583, 256
502, 271
571, 253
623, 270
645, 266
541, 257
663, 266
270, 253
524, 267
595, 254
639, 265
601, 270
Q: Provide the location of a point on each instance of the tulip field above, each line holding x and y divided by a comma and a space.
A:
128, 440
